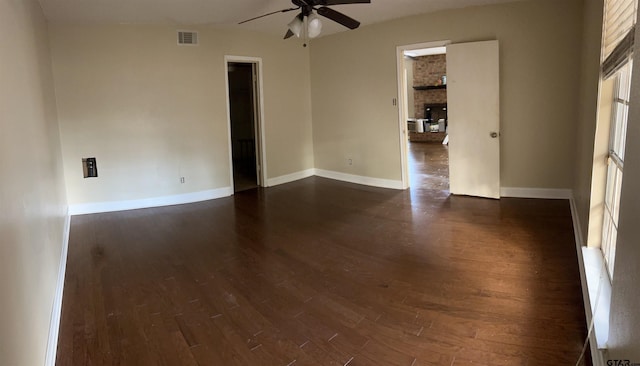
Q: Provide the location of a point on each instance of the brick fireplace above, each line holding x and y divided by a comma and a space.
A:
428, 90
428, 71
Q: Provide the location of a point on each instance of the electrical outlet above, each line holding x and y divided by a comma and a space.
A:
350, 161
181, 179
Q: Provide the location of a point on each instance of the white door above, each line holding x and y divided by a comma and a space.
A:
473, 103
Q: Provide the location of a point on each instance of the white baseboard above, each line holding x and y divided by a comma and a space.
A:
359, 179
96, 207
287, 178
577, 227
596, 355
56, 311
544, 193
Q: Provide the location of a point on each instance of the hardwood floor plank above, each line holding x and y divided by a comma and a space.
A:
320, 272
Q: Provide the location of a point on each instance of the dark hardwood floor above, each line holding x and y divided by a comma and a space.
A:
320, 272
429, 166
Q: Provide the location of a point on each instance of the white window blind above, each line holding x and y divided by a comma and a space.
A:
619, 18
618, 34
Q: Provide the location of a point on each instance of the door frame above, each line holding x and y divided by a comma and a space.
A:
402, 102
261, 150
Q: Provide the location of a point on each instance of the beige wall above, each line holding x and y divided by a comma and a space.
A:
408, 66
353, 75
151, 111
586, 127
600, 156
31, 193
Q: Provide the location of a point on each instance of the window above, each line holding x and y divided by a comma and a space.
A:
616, 68
617, 138
617, 48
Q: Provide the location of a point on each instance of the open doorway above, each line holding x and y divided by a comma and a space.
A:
244, 124
426, 117
472, 121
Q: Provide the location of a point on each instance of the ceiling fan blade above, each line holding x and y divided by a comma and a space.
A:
341, 2
301, 3
338, 17
273, 12
289, 34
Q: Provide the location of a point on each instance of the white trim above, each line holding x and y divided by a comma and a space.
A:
229, 140
290, 177
96, 207
261, 126
260, 123
56, 310
359, 179
597, 356
577, 227
402, 117
599, 288
544, 193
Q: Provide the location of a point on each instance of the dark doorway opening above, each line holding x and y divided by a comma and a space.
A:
243, 117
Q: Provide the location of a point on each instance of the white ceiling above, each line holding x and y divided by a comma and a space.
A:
426, 52
229, 12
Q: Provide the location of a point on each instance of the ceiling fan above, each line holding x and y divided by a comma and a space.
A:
307, 23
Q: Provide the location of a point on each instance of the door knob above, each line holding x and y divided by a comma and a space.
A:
493, 135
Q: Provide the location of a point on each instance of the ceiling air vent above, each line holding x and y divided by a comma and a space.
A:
187, 38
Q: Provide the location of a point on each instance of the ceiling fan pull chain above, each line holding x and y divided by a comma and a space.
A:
305, 30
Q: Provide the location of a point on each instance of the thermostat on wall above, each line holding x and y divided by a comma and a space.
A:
89, 167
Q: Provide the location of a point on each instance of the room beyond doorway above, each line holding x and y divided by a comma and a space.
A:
425, 108
244, 124
474, 155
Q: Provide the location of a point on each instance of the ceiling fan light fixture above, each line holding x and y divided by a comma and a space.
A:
307, 23
296, 26
315, 25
